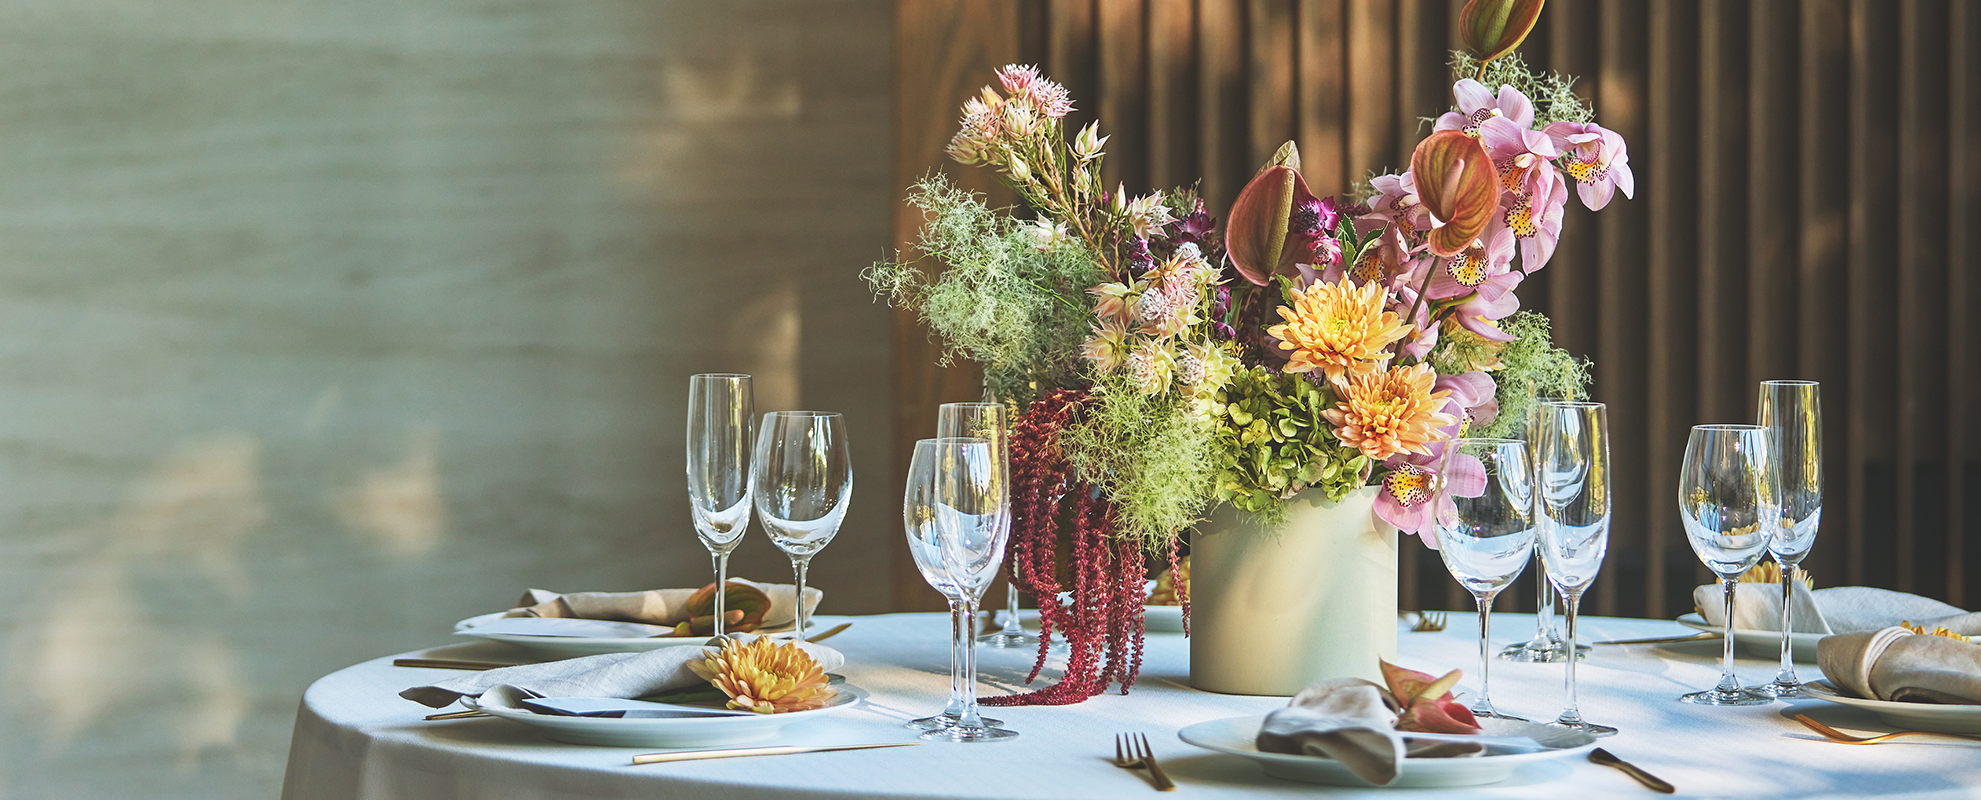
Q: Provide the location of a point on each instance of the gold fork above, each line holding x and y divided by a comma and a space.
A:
1131, 751
1839, 736
1428, 622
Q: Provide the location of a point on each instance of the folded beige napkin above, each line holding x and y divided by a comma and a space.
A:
1348, 720
1897, 664
610, 675
655, 606
1839, 609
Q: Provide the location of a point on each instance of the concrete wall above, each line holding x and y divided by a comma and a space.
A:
326, 323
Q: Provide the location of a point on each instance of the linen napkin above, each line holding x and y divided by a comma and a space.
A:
626, 675
1348, 720
1899, 665
655, 606
1839, 609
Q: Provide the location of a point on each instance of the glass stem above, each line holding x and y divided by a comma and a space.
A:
970, 718
1011, 625
721, 585
1572, 715
1485, 704
798, 566
957, 633
1786, 677
1728, 683
1544, 613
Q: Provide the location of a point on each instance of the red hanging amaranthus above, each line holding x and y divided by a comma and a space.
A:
1103, 626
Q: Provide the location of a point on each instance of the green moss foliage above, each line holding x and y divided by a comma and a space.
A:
1533, 367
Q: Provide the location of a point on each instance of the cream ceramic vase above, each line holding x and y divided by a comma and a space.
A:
1275, 609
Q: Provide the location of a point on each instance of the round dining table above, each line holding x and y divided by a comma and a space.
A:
356, 738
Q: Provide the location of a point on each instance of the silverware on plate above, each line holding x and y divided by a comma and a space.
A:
1835, 735
741, 752
830, 632
1652, 782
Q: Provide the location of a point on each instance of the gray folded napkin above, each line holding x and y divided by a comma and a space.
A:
1839, 609
1348, 720
1899, 665
610, 675
655, 606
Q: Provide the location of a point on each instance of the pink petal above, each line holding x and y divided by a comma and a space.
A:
1443, 285
1621, 175
1595, 195
1540, 144
1535, 251
1451, 121
1464, 476
1502, 138
1472, 96
1516, 107
1484, 413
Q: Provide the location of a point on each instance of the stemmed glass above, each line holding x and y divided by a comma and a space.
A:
804, 478
1729, 502
1572, 477
1792, 411
918, 518
987, 421
1490, 538
1546, 647
722, 420
970, 514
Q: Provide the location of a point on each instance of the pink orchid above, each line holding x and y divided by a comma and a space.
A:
1597, 160
1477, 268
1479, 313
1415, 496
1396, 201
1536, 223
1403, 293
1474, 400
1476, 104
1523, 157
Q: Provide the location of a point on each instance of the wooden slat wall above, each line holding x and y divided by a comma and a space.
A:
1807, 174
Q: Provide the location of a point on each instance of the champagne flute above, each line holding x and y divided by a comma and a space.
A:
804, 479
1572, 477
722, 420
918, 517
970, 515
1490, 536
987, 421
1546, 647
1792, 411
1730, 505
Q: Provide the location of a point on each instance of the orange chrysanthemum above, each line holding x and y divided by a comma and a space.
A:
1339, 328
765, 677
1391, 412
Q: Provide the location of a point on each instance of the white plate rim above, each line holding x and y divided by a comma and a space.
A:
1822, 689
591, 644
1419, 766
851, 696
1697, 622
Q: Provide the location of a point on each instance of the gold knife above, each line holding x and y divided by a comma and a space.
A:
740, 752
1652, 782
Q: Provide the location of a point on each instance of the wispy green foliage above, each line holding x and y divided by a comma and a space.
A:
1274, 443
1150, 452
1003, 293
1553, 94
1534, 367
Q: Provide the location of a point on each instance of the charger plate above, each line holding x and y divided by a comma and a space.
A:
1905, 716
1237, 736
1762, 644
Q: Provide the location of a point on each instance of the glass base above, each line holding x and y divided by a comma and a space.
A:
1004, 639
1782, 690
1495, 713
940, 721
958, 733
1586, 727
1537, 655
1737, 697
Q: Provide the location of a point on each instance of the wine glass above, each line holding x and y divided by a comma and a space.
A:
987, 421
970, 515
804, 478
1546, 647
1792, 411
1572, 478
918, 517
722, 420
1490, 536
1730, 504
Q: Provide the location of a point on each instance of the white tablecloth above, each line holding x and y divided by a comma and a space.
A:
355, 738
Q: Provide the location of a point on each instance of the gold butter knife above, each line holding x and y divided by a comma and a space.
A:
1652, 782
831, 632
741, 752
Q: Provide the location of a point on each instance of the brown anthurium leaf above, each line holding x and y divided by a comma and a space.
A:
749, 600
1255, 236
1426, 705
1492, 28
1458, 185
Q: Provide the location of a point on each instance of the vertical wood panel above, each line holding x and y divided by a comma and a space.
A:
1172, 128
1371, 86
1873, 111
1122, 94
1667, 180
1321, 92
1269, 34
1922, 283
1963, 356
1223, 137
1622, 266
1823, 209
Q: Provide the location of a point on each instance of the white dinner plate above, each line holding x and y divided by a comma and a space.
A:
1762, 644
1906, 716
1238, 736
1162, 619
556, 647
692, 732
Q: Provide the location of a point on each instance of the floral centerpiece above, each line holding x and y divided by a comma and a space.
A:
1160, 363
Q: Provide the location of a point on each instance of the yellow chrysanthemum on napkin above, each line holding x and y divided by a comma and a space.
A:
1940, 630
765, 677
1771, 572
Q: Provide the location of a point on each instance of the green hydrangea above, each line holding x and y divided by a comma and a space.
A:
1272, 442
